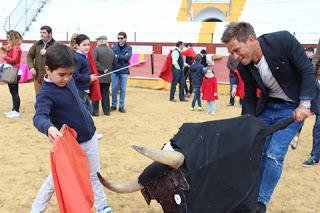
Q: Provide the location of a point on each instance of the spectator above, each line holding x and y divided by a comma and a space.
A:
104, 58
190, 54
209, 89
123, 53
82, 75
315, 152
177, 72
232, 64
37, 55
197, 72
204, 62
13, 57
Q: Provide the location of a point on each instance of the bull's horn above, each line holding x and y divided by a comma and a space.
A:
172, 159
129, 187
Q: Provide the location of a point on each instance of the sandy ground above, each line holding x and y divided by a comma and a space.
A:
151, 121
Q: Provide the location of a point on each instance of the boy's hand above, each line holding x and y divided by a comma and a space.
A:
93, 77
53, 133
233, 92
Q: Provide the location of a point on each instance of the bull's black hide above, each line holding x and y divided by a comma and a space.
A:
222, 166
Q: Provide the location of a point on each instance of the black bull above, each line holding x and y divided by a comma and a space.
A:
221, 170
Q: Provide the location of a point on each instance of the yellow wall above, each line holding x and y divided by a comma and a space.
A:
197, 7
183, 13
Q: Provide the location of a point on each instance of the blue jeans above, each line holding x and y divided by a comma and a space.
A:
232, 82
276, 146
316, 139
115, 79
196, 97
211, 106
177, 77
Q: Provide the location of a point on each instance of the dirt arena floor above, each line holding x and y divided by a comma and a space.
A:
151, 121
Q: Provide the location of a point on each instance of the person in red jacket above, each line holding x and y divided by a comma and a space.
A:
13, 58
209, 90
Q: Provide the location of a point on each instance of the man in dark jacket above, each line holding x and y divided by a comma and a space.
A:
277, 65
37, 55
104, 58
123, 53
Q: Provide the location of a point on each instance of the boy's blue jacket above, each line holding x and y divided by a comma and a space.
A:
123, 55
56, 106
82, 74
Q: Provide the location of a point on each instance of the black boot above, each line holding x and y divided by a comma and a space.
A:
261, 208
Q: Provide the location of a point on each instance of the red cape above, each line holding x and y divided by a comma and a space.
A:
71, 174
166, 70
95, 94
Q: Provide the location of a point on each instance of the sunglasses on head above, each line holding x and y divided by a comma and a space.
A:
120, 38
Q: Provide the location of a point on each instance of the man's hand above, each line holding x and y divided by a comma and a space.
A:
33, 72
43, 51
53, 133
301, 113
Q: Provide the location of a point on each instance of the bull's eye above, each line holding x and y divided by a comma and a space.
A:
177, 198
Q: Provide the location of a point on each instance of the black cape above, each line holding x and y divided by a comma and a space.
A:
222, 164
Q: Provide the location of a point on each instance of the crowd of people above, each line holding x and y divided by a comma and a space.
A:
273, 75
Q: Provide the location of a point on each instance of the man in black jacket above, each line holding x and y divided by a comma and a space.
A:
277, 65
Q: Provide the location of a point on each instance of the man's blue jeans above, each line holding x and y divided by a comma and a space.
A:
177, 77
232, 82
196, 97
316, 138
276, 146
115, 79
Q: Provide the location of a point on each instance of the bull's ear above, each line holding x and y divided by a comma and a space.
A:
172, 159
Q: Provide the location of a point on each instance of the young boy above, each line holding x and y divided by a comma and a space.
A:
197, 72
58, 103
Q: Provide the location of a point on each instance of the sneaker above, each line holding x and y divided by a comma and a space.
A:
105, 209
294, 143
113, 108
310, 162
95, 114
99, 136
7, 113
13, 114
212, 113
191, 109
173, 100
200, 109
122, 110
